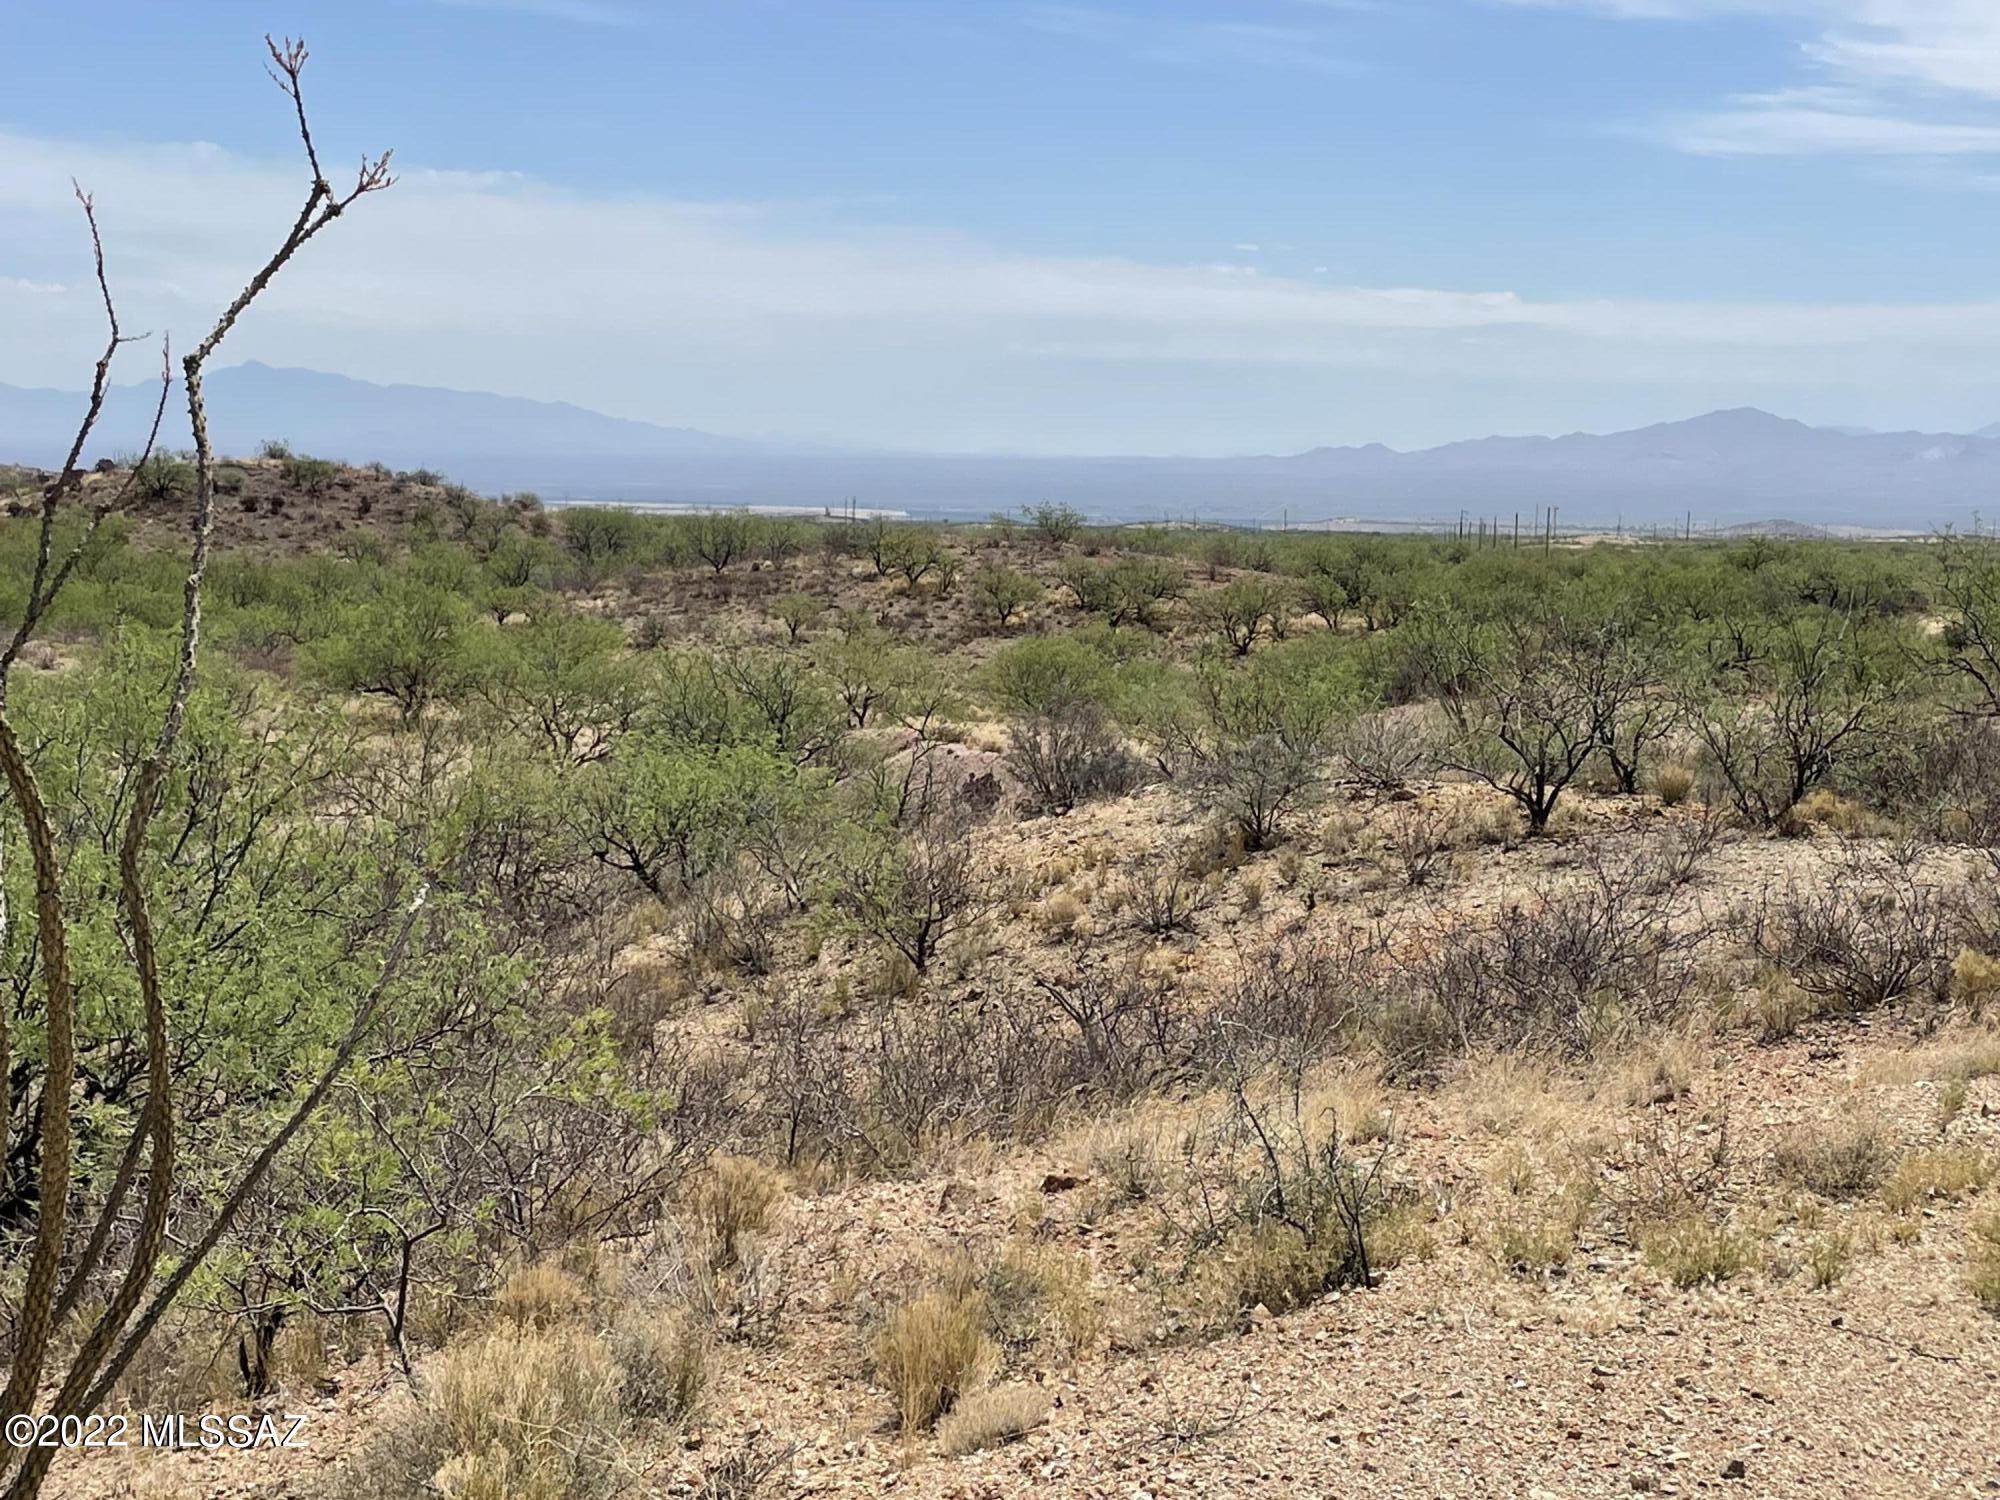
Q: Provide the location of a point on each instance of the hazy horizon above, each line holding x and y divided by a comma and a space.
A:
806, 444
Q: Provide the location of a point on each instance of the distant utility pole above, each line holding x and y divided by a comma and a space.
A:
1517, 531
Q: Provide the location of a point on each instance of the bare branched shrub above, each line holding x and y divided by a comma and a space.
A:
1385, 752
1297, 996
1278, 1211
1677, 1164
1681, 852
1126, 1027
1166, 898
1567, 968
1068, 756
1871, 931
1418, 839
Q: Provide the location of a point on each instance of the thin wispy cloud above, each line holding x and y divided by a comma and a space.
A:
1918, 79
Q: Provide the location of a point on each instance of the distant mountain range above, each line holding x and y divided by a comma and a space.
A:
1726, 468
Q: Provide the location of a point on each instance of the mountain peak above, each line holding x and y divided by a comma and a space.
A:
1739, 420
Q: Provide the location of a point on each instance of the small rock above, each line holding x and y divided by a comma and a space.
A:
1734, 1469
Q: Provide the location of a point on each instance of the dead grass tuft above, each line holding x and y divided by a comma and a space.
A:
930, 1352
731, 1202
540, 1295
524, 1414
1982, 1272
991, 1418
1840, 1160
1947, 1174
1695, 1250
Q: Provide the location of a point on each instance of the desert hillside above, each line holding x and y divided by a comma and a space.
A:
1033, 1009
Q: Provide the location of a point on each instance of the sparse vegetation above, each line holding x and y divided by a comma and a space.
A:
802, 896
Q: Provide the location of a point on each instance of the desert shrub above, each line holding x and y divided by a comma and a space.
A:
1129, 591
1054, 525
1385, 752
1530, 696
1870, 932
662, 1353
1533, 1232
674, 818
930, 1352
1780, 711
1843, 1160
165, 476
1828, 1258
274, 448
1251, 742
1118, 1030
1061, 913
1323, 594
526, 1414
1041, 1296
1955, 791
1569, 967
1069, 756
514, 1414
1695, 1250
1968, 596
412, 646
989, 1419
1244, 611
1296, 996
1167, 897
720, 537
1677, 1163
1418, 837
561, 680
1294, 1213
598, 537
1003, 593
916, 890
798, 613
310, 476
1975, 981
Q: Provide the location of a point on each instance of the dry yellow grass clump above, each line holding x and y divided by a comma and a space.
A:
930, 1352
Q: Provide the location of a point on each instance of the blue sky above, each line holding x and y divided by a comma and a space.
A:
1196, 225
